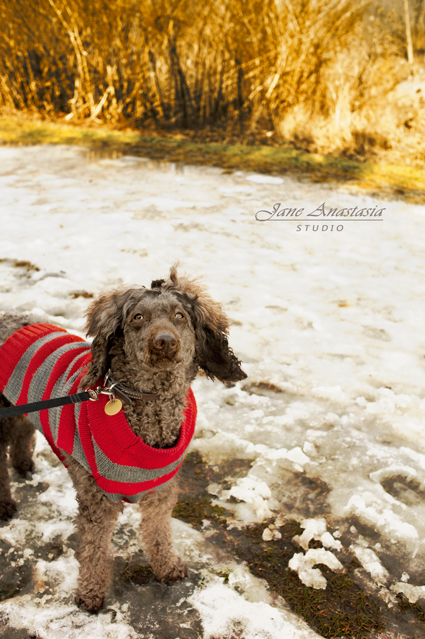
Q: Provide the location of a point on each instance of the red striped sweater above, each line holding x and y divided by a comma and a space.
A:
41, 361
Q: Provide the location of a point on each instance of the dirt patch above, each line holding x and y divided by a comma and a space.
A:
84, 294
28, 266
24, 264
408, 491
14, 580
261, 388
134, 571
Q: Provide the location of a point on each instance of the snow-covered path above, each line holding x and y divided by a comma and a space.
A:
333, 319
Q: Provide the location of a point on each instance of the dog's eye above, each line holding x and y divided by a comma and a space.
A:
179, 315
139, 316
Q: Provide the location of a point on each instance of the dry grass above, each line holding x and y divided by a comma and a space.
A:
318, 74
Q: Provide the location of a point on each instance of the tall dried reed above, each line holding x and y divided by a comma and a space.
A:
312, 71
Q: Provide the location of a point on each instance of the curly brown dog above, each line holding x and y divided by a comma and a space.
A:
152, 341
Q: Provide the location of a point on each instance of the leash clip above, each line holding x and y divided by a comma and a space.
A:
94, 393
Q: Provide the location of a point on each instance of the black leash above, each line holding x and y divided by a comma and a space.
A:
11, 411
112, 388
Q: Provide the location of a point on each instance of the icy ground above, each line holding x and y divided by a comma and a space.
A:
332, 319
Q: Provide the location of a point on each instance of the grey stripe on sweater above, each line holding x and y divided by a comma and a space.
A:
39, 382
133, 498
77, 449
13, 387
130, 474
60, 389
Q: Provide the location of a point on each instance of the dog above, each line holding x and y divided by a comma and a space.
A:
149, 343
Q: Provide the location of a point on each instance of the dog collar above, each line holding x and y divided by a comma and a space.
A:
124, 393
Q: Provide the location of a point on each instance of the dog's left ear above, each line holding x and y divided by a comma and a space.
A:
214, 355
105, 322
211, 324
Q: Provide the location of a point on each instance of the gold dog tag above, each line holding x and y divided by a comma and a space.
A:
113, 407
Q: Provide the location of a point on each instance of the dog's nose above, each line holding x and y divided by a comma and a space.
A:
165, 342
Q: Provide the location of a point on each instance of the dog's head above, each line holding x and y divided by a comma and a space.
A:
173, 324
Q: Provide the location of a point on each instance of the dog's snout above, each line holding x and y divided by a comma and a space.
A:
165, 342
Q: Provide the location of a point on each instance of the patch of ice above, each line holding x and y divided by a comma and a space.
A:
254, 492
414, 455
133, 158
313, 529
389, 402
316, 529
38, 311
310, 449
270, 533
329, 541
335, 393
368, 508
371, 563
297, 456
54, 286
60, 575
312, 577
259, 178
56, 621
224, 445
413, 593
16, 532
52, 529
166, 203
230, 190
390, 471
224, 612
293, 413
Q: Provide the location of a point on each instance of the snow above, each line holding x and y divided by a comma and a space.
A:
67, 621
333, 319
371, 510
253, 492
264, 179
370, 562
413, 593
316, 529
223, 610
269, 533
303, 565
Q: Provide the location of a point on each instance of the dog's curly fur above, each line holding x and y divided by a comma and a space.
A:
127, 327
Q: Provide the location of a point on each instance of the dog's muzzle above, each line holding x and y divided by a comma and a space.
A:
164, 344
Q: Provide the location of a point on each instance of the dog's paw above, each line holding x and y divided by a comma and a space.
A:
7, 509
172, 571
90, 603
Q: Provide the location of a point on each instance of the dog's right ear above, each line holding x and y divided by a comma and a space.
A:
105, 322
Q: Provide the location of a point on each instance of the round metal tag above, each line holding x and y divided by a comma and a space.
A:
112, 408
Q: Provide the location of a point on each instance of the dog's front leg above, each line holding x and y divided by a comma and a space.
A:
7, 430
22, 445
95, 524
155, 528
7, 504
